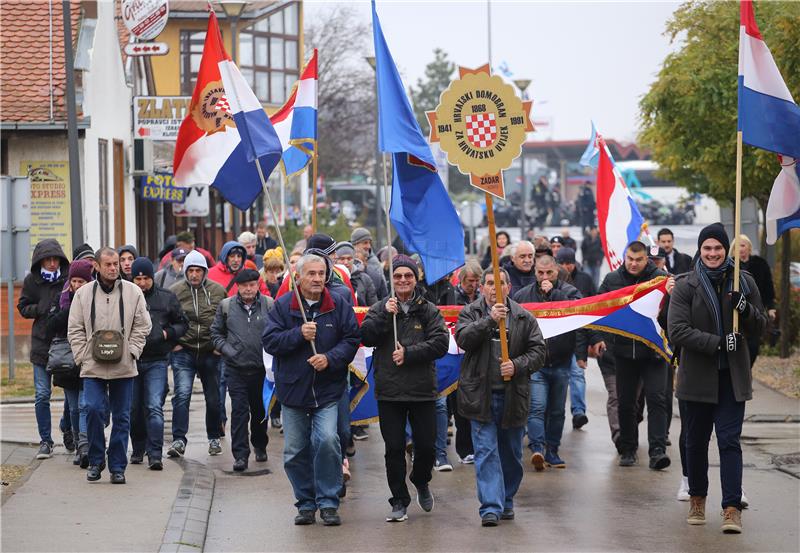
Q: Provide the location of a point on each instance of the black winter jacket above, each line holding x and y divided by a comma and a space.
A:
526, 349
237, 335
364, 288
422, 333
620, 346
167, 316
38, 295
518, 278
683, 263
583, 282
561, 348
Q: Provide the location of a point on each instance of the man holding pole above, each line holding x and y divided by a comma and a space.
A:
409, 334
495, 394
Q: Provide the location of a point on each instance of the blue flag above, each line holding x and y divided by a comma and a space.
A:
421, 210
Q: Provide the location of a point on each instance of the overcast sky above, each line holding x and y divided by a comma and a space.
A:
586, 60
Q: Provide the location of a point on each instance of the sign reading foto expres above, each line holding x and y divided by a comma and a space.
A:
481, 124
161, 188
159, 117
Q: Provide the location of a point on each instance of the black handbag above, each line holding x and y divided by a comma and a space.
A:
60, 360
108, 345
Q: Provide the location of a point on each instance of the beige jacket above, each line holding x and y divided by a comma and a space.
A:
79, 329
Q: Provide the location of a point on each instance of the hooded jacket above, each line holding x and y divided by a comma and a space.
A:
222, 275
130, 248
620, 346
136, 326
38, 296
297, 384
198, 304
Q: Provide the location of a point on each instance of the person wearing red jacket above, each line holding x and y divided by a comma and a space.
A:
231, 261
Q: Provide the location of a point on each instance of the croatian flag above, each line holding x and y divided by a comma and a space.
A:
296, 121
619, 220
225, 131
768, 116
783, 208
268, 392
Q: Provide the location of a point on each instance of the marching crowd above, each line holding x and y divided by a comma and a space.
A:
110, 325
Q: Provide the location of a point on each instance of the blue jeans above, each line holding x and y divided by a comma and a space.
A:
498, 460
441, 429
548, 401
117, 395
343, 421
185, 365
147, 409
42, 383
577, 389
77, 414
312, 456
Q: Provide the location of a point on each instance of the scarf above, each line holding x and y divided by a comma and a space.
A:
722, 276
50, 276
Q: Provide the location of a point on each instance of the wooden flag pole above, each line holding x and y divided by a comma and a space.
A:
292, 280
388, 240
314, 161
498, 288
737, 223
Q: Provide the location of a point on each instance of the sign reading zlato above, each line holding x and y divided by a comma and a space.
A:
481, 124
159, 117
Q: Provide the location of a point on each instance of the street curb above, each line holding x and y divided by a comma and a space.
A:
188, 521
27, 399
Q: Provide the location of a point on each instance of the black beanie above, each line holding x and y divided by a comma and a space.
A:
142, 266
245, 275
405, 261
82, 252
321, 242
715, 231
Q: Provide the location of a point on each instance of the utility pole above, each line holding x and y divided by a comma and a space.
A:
75, 195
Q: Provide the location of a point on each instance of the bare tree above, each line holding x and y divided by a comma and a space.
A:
346, 118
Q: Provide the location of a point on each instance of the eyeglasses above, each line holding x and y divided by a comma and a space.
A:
401, 276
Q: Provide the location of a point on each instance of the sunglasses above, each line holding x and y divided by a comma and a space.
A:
401, 276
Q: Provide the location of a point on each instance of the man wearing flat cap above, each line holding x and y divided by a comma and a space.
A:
236, 333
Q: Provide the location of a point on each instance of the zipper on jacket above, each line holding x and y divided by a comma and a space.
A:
314, 376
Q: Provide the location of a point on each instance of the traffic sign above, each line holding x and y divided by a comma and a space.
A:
147, 49
471, 214
145, 19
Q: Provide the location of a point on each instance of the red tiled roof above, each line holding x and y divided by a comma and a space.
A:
25, 60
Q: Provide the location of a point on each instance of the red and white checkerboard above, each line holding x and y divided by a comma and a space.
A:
222, 105
481, 129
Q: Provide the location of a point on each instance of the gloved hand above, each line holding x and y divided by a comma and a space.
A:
731, 342
740, 303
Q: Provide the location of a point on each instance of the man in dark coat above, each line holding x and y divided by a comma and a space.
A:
714, 374
497, 408
49, 269
362, 283
635, 362
236, 333
549, 384
677, 262
405, 382
309, 385
592, 254
520, 269
150, 386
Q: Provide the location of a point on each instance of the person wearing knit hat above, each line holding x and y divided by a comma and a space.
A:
84, 251
321, 242
273, 270
362, 284
715, 371
405, 382
361, 239
150, 385
81, 268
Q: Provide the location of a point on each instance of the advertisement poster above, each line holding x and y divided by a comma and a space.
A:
50, 207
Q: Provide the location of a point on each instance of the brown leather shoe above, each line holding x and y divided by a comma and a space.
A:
697, 510
732, 520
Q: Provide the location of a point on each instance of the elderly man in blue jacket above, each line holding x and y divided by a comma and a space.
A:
309, 386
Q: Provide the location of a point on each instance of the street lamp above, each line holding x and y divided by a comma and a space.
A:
522, 85
233, 10
372, 63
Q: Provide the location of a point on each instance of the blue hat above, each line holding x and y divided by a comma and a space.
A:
142, 266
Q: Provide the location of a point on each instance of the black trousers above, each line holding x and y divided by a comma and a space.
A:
463, 429
653, 375
247, 407
422, 417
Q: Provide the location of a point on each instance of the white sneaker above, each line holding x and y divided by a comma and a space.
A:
683, 490
442, 465
468, 459
744, 501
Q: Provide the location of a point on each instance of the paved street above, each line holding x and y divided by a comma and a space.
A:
591, 505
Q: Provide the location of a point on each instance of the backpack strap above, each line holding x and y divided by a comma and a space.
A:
226, 307
163, 278
230, 284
